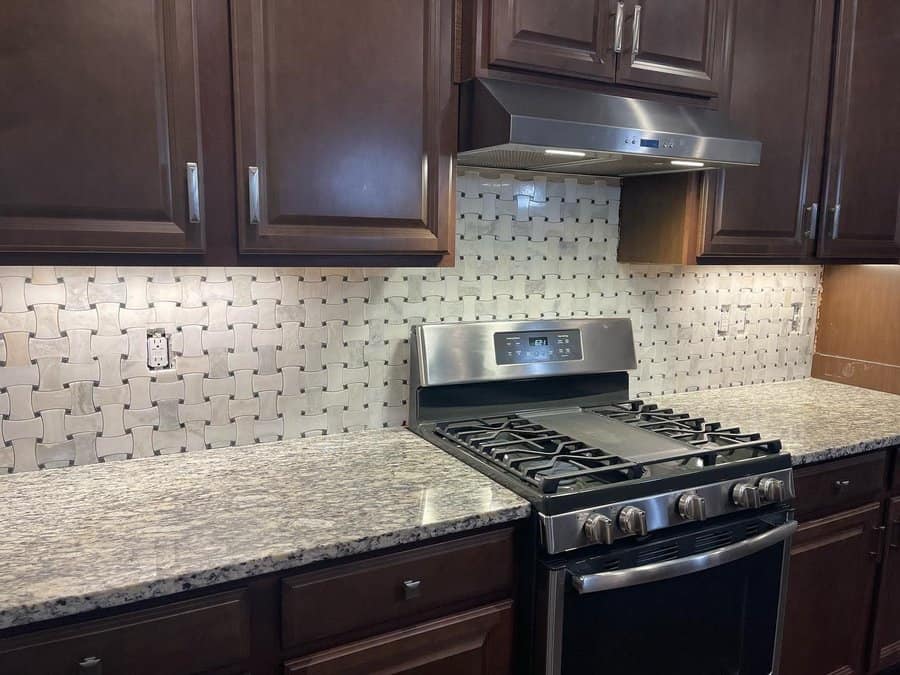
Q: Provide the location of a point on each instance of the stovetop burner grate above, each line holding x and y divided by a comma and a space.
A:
554, 462
540, 456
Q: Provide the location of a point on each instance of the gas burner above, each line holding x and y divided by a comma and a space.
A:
726, 442
542, 457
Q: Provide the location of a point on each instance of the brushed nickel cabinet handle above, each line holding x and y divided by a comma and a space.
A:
835, 220
620, 27
90, 665
253, 190
412, 588
193, 192
636, 33
812, 219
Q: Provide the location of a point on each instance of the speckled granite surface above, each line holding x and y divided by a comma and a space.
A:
104, 535
815, 420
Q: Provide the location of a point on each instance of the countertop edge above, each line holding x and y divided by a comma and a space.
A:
839, 452
66, 606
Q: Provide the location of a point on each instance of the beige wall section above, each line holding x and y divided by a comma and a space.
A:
858, 337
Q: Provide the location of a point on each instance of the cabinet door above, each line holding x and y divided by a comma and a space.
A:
886, 640
98, 124
833, 565
478, 642
862, 193
676, 46
778, 93
346, 126
566, 37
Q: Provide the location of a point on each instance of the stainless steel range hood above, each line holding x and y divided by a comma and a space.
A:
512, 125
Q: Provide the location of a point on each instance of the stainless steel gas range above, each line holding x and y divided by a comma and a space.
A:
660, 540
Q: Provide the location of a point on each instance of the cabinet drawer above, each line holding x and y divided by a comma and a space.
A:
476, 642
193, 636
845, 483
393, 590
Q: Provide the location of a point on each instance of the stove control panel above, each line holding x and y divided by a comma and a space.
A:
537, 346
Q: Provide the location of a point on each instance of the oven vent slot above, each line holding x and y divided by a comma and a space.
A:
658, 554
705, 542
610, 565
752, 529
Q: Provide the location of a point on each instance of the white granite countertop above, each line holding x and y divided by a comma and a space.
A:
87, 537
815, 420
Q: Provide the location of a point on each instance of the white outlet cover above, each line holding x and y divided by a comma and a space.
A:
157, 351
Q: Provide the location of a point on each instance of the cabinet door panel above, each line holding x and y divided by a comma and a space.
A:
99, 121
863, 188
832, 576
349, 112
478, 642
778, 94
568, 37
886, 641
677, 46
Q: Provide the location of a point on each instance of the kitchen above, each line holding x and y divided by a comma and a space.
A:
450, 336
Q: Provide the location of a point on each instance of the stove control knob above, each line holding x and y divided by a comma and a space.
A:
599, 529
772, 490
633, 520
745, 495
692, 507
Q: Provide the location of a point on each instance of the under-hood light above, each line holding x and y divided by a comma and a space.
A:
686, 162
566, 153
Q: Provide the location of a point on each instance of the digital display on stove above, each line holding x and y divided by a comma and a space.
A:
537, 346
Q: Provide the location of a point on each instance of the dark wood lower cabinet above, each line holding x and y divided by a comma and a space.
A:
886, 633
205, 635
419, 610
477, 642
833, 568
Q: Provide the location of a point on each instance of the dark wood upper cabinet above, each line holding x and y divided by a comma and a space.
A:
778, 94
346, 124
862, 191
833, 566
886, 634
675, 46
99, 122
567, 37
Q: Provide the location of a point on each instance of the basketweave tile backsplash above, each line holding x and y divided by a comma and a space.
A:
270, 353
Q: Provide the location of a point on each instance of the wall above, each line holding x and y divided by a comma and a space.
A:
858, 338
270, 353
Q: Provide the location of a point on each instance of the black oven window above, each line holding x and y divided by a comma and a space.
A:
715, 622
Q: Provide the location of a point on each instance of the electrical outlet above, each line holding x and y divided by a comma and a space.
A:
722, 324
157, 350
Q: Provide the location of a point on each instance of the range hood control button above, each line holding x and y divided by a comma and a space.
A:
772, 490
692, 507
633, 520
599, 529
745, 495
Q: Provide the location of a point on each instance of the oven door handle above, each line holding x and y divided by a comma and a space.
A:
635, 576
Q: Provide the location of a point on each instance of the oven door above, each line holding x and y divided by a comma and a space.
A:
706, 607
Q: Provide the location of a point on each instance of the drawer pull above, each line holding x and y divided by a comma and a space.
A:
90, 665
412, 589
841, 484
